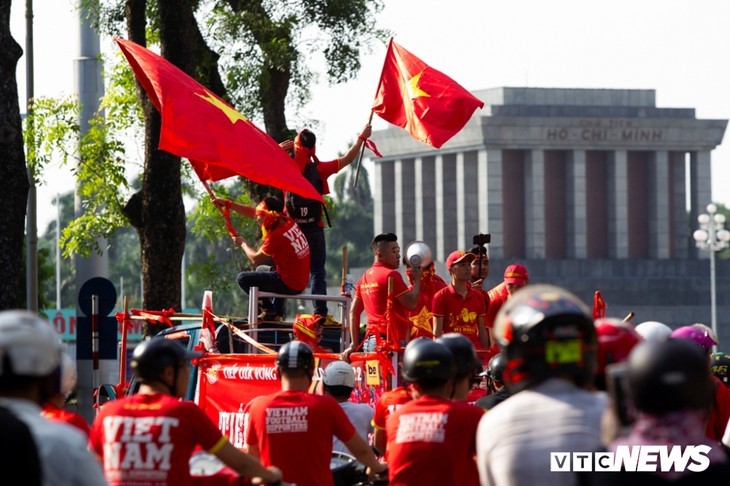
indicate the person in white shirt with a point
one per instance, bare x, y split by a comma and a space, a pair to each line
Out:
549, 341
29, 354
339, 380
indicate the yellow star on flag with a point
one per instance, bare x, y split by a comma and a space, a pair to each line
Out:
414, 91
230, 112
422, 321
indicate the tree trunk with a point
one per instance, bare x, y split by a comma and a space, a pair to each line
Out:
13, 172
157, 211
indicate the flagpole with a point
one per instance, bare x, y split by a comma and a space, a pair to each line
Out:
362, 151
226, 220
370, 120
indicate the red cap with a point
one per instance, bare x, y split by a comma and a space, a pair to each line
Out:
457, 256
515, 274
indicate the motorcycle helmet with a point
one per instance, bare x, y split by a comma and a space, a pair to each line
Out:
295, 355
545, 331
669, 376
719, 366
151, 357
462, 349
653, 331
425, 360
615, 342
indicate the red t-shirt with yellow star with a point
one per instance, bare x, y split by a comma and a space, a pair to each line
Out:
372, 289
460, 313
421, 316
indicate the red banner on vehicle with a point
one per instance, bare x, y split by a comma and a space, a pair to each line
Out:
228, 382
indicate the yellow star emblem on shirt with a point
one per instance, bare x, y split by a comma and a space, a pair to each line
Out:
229, 111
422, 321
414, 91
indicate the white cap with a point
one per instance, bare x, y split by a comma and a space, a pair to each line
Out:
653, 331
30, 344
339, 373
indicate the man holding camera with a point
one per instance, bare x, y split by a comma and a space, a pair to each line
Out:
480, 265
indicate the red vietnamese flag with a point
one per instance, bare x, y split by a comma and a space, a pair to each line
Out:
197, 124
431, 106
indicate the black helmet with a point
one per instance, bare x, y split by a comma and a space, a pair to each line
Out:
720, 366
151, 357
295, 355
427, 360
495, 368
545, 331
465, 356
668, 376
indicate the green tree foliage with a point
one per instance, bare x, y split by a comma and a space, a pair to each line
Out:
352, 223
266, 48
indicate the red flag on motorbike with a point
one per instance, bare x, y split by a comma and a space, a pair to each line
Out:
431, 106
217, 139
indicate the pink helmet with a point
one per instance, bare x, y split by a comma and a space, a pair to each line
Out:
697, 335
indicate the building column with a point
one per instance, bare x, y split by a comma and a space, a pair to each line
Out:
460, 201
377, 191
700, 177
491, 212
398, 199
660, 185
418, 181
619, 205
404, 200
681, 240
535, 204
439, 196
577, 207
700, 182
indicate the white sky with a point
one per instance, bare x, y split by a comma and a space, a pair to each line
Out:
678, 48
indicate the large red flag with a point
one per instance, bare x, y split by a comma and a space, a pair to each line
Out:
218, 140
431, 106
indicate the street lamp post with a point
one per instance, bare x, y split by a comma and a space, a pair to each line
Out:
712, 236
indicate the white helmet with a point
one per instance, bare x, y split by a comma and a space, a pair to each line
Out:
29, 343
654, 331
68, 374
339, 373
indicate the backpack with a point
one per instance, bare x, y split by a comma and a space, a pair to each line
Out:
307, 213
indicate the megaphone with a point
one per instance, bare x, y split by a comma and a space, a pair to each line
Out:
418, 254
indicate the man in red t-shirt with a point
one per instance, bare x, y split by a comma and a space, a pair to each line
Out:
304, 147
388, 403
432, 429
515, 277
65, 382
293, 429
148, 438
371, 296
284, 243
458, 307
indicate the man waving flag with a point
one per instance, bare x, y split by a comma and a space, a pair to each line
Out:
431, 106
217, 139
